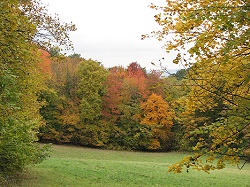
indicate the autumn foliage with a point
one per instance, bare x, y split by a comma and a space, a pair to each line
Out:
50, 97
45, 63
211, 39
157, 114
25, 27
203, 108
89, 105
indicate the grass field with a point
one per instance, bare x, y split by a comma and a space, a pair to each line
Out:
83, 167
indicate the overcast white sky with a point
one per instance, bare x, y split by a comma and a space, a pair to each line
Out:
109, 31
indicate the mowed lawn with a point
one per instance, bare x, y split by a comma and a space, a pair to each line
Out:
82, 167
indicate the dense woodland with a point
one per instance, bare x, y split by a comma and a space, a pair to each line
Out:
203, 108
116, 108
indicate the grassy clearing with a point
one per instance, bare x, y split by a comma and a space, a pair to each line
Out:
76, 166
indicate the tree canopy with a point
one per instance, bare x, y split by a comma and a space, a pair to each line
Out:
212, 39
21, 80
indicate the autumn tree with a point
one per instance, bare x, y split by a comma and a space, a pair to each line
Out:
139, 76
214, 37
134, 90
61, 112
126, 88
157, 114
65, 78
45, 63
51, 111
20, 83
91, 90
112, 98
50, 31
176, 89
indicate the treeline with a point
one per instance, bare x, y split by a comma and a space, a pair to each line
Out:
204, 109
116, 108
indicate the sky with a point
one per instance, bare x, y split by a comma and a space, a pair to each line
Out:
109, 31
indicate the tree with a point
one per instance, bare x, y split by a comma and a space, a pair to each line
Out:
19, 80
176, 89
139, 76
51, 112
64, 78
216, 36
61, 109
156, 114
91, 90
20, 83
126, 88
112, 98
46, 62
49, 30
133, 91
155, 82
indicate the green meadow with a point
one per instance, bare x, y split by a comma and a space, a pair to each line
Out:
76, 167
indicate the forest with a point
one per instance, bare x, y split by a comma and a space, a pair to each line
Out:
49, 97
117, 108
